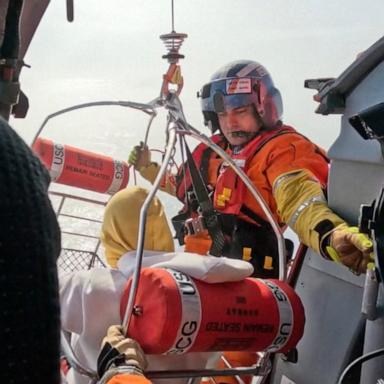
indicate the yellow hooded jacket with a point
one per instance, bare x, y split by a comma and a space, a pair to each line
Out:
120, 227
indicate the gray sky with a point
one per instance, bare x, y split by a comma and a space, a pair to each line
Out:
112, 51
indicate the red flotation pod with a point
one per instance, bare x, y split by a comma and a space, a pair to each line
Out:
83, 169
180, 314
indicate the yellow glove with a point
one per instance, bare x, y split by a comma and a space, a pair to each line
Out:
350, 247
117, 350
140, 156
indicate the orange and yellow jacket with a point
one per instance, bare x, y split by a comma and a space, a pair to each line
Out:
289, 171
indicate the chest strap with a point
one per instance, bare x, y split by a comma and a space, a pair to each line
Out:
208, 212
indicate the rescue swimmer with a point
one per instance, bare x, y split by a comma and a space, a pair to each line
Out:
242, 103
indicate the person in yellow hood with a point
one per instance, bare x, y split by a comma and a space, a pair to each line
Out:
90, 300
120, 226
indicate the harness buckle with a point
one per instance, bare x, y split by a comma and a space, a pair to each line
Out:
195, 226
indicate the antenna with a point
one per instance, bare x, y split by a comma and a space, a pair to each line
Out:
173, 41
70, 11
173, 16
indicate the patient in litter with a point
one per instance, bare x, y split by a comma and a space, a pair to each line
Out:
90, 300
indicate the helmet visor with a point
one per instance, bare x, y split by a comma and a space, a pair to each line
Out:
227, 94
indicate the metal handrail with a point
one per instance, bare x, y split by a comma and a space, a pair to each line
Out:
146, 108
95, 237
73, 197
81, 218
142, 222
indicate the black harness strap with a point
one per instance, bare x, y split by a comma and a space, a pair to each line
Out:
255, 217
209, 214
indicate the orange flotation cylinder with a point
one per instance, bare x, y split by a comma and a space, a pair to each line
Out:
83, 169
180, 314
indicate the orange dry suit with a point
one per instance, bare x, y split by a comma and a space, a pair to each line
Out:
128, 379
289, 171
243, 221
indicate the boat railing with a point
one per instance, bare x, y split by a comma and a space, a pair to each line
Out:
80, 232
